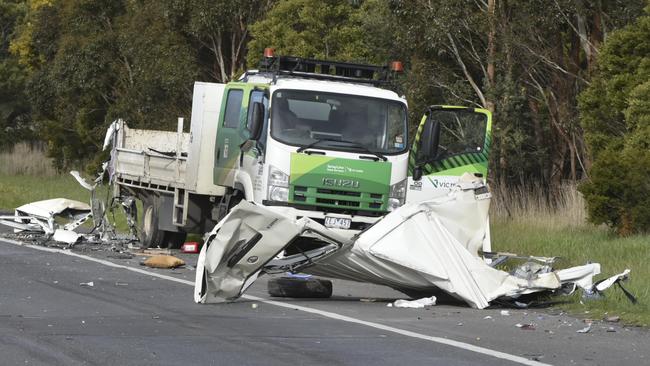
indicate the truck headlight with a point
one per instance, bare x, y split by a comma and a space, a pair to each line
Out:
397, 195
278, 193
278, 185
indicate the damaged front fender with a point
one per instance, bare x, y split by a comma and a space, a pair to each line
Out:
243, 245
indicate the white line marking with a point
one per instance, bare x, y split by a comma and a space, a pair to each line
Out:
327, 314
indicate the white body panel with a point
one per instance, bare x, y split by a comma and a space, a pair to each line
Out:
429, 187
206, 106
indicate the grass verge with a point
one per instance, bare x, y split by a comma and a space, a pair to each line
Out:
581, 244
524, 222
17, 190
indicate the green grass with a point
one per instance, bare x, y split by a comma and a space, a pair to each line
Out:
17, 190
577, 245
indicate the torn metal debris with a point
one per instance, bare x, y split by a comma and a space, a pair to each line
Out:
419, 248
414, 304
60, 219
41, 216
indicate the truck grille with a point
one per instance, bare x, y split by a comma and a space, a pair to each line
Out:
334, 200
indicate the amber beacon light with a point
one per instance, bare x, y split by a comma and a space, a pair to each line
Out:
396, 66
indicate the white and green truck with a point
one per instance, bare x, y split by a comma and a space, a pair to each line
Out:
324, 140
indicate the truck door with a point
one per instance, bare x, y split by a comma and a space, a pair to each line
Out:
228, 138
463, 147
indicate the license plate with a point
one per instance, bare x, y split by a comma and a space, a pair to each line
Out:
337, 222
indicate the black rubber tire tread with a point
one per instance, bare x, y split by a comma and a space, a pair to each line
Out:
299, 287
153, 237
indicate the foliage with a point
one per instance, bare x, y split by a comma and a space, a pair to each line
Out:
616, 118
330, 29
69, 67
93, 61
14, 108
219, 33
484, 54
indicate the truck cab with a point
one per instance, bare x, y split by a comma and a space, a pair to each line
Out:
333, 150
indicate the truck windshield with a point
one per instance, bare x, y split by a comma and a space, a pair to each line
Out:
302, 117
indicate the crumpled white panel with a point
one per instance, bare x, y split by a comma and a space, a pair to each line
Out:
424, 247
51, 207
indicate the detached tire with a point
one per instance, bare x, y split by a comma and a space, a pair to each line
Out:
300, 287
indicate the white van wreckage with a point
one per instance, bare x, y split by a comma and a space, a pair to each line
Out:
419, 248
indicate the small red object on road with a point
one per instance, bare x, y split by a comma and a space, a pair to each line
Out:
190, 247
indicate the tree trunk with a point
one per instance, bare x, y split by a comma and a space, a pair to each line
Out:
489, 105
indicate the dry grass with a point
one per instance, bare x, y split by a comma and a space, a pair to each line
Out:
26, 158
532, 205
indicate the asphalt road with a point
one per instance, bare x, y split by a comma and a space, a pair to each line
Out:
134, 315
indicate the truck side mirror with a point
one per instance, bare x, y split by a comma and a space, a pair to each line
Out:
257, 121
428, 149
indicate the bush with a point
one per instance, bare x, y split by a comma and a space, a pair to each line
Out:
615, 114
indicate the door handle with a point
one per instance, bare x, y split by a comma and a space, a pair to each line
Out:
218, 153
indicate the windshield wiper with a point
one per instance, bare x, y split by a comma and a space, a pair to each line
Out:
352, 143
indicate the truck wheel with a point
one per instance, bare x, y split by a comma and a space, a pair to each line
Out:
299, 287
150, 235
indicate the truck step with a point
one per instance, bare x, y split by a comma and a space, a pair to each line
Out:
179, 214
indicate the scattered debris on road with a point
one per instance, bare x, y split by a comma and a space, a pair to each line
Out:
525, 326
586, 329
66, 236
154, 251
420, 247
613, 319
414, 304
60, 220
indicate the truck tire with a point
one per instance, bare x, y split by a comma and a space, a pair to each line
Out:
150, 235
299, 287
